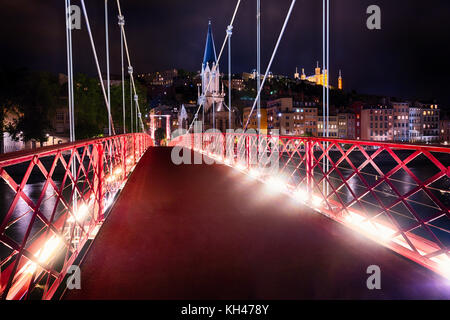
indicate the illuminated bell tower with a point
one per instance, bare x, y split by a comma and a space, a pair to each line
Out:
324, 78
340, 81
303, 76
296, 74
317, 74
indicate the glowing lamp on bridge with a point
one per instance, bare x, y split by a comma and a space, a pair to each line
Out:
49, 249
373, 228
254, 173
80, 214
316, 201
118, 171
443, 262
301, 195
43, 255
276, 184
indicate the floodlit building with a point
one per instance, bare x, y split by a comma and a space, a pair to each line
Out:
377, 123
400, 121
333, 127
347, 125
212, 93
253, 123
280, 116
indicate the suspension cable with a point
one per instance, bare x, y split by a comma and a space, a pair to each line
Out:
227, 36
98, 65
121, 23
130, 66
270, 62
70, 71
108, 76
71, 97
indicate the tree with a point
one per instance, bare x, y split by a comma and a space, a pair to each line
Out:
11, 88
39, 94
91, 115
117, 105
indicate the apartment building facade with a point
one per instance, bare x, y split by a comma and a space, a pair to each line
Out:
377, 123
400, 121
333, 127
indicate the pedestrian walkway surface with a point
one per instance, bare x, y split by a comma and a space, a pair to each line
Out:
210, 232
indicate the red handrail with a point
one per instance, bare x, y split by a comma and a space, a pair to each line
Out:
58, 198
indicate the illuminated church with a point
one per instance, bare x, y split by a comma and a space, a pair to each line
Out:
319, 78
212, 93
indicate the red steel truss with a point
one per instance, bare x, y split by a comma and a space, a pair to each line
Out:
54, 205
395, 194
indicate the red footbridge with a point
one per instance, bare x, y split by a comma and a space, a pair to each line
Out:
225, 216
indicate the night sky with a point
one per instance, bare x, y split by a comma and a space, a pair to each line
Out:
407, 58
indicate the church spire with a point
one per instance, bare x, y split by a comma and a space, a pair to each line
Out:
340, 86
210, 56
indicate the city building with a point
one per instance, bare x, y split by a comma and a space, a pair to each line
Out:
377, 123
61, 122
430, 123
444, 131
356, 108
333, 127
236, 84
305, 118
346, 125
253, 123
415, 124
246, 76
292, 117
400, 121
160, 78
280, 116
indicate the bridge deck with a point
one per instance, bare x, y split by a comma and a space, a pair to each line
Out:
209, 232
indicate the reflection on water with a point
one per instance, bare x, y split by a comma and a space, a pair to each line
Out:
383, 202
20, 218
22, 213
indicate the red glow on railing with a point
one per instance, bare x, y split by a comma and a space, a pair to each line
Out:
55, 204
396, 194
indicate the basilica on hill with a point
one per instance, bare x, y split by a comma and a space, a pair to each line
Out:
319, 77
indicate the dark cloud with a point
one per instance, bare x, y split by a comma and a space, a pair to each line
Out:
406, 58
